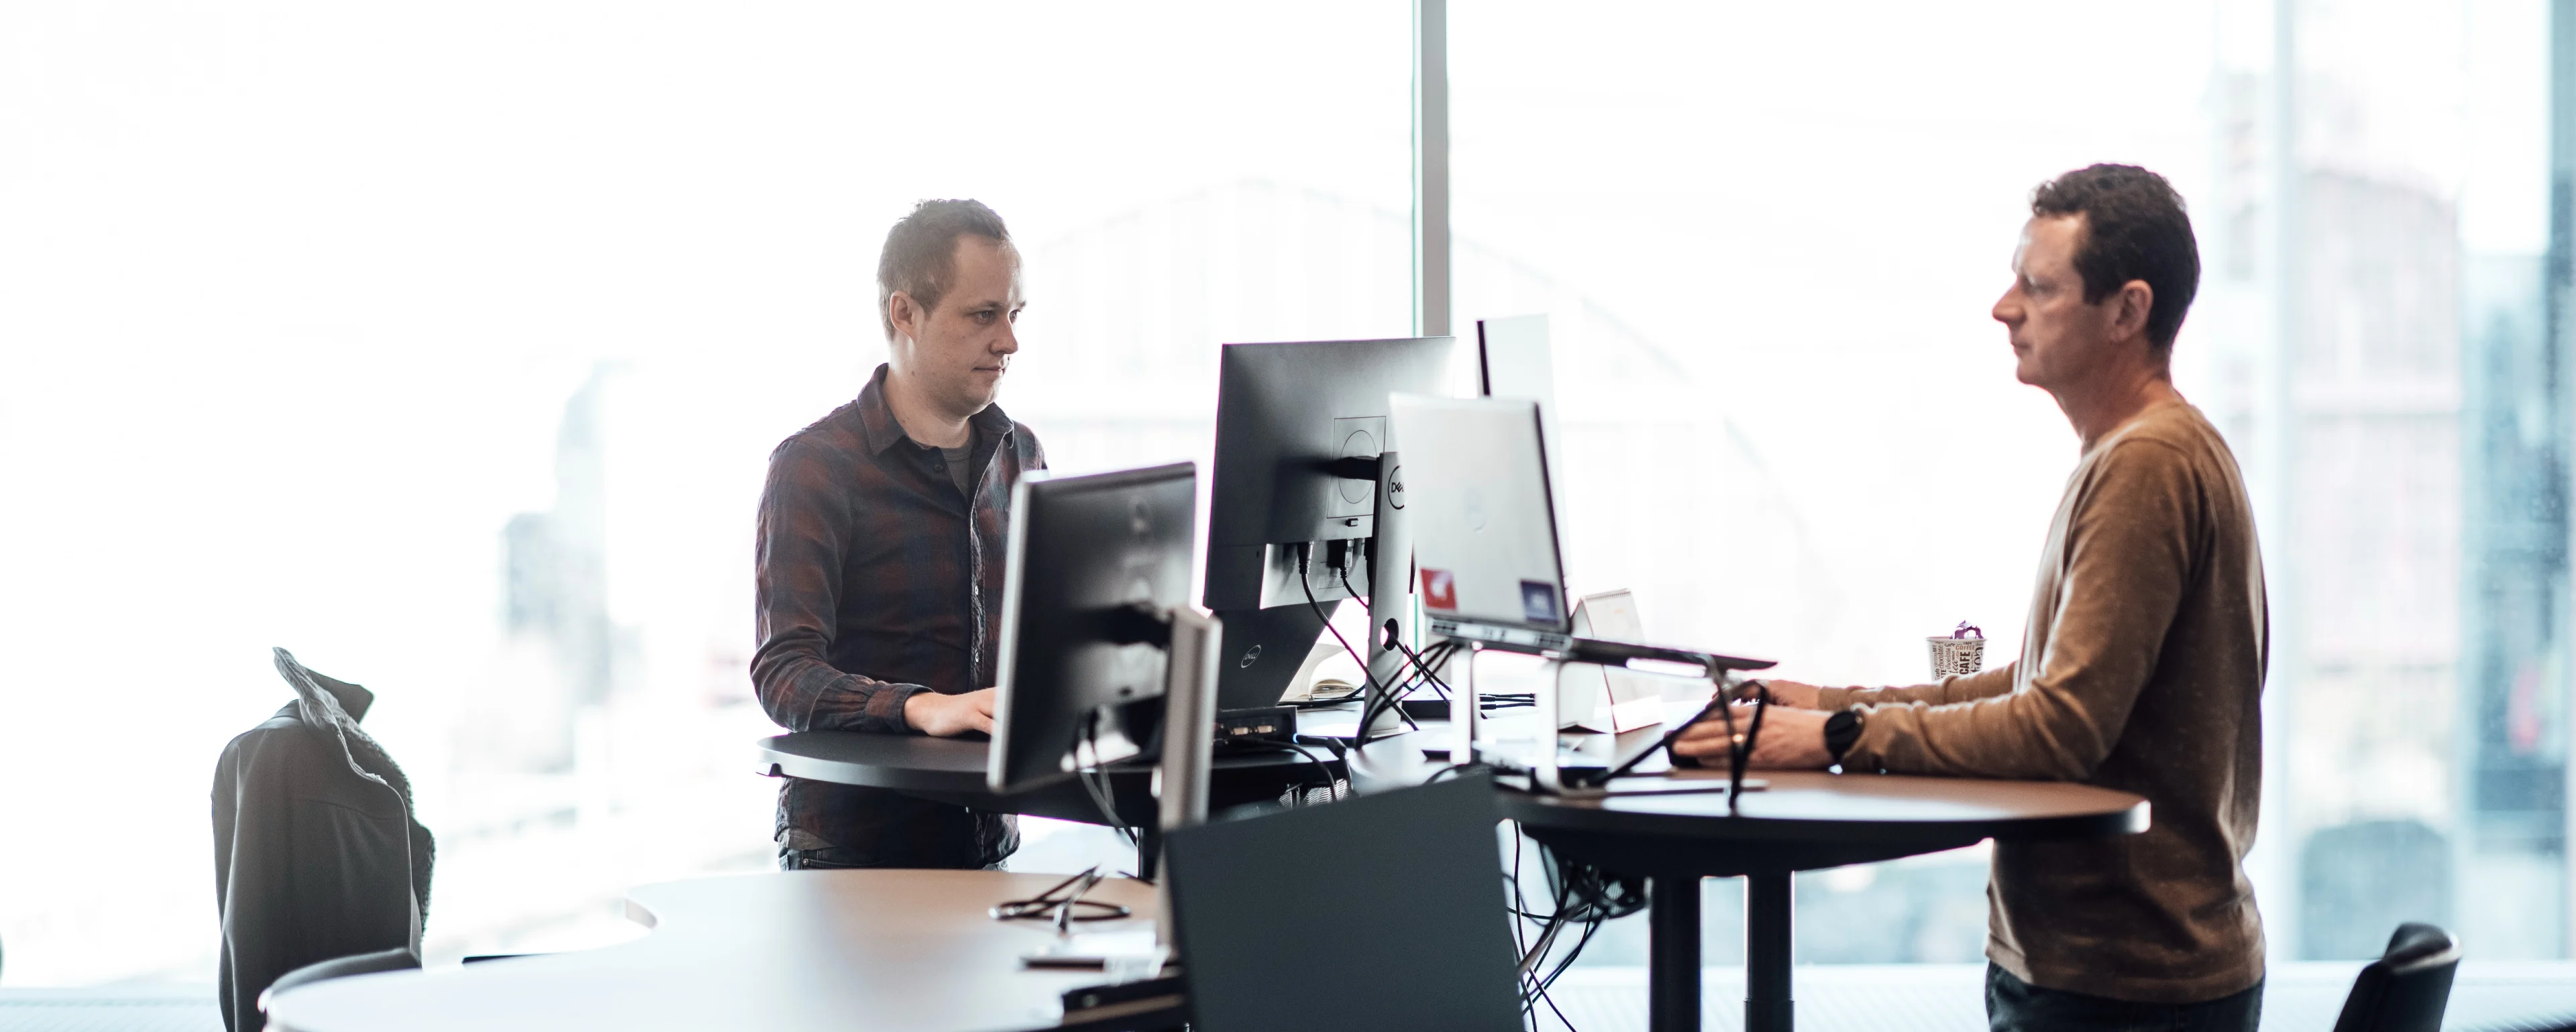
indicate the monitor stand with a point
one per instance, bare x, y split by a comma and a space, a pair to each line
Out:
1391, 616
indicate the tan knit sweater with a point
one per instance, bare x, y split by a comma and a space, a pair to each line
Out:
2141, 670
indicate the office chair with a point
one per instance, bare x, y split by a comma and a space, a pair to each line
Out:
2408, 987
321, 867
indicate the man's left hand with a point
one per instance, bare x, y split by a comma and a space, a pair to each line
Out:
1791, 738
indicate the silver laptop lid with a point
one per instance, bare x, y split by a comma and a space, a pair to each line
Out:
1484, 523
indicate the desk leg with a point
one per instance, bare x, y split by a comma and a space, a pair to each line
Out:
1672, 953
1767, 940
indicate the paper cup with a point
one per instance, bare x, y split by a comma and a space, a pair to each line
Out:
1956, 655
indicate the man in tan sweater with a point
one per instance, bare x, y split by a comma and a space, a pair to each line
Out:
2142, 665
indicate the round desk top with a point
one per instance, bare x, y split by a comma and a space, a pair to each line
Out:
951, 770
903, 951
955, 766
1799, 820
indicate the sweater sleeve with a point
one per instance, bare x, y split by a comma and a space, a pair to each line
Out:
798, 553
2127, 558
1954, 688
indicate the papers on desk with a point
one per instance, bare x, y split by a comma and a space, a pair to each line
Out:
1513, 743
1327, 674
1123, 955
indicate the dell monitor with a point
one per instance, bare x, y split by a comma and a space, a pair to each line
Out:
1096, 566
1299, 431
1513, 361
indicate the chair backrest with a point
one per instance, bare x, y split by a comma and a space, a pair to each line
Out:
1384, 912
2407, 988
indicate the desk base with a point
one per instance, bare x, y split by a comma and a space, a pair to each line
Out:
1768, 904
1672, 953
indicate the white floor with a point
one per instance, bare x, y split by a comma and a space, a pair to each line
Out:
1951, 998
1896, 998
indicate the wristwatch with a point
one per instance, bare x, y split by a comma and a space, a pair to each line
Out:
1841, 731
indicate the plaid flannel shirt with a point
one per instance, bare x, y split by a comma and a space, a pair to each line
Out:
877, 580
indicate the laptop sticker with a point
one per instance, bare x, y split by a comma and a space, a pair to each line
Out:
1538, 602
1439, 591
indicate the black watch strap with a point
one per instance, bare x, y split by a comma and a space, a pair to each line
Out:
1841, 731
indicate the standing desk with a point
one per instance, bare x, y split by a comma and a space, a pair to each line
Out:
827, 951
1804, 820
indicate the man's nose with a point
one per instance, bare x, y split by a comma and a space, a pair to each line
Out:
1008, 343
2007, 311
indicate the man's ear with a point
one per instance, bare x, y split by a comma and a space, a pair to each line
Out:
2136, 300
905, 315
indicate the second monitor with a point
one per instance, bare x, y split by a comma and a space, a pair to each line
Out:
1097, 565
1293, 514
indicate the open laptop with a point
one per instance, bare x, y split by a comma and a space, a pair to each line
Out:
1486, 553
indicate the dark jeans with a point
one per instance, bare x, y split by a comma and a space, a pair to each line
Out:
826, 825
832, 860
2013, 1005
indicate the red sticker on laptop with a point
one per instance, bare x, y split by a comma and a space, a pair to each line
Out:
1439, 590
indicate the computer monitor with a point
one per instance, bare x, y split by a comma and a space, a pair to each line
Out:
1299, 430
1513, 360
1094, 567
1264, 649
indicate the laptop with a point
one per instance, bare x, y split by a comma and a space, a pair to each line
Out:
1486, 551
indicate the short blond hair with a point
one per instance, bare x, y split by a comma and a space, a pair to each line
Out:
920, 256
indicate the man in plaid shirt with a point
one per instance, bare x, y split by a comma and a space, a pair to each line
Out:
880, 544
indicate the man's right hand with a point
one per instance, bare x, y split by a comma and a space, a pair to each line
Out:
947, 715
1793, 694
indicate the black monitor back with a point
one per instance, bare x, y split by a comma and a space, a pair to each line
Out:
1283, 412
1409, 931
1089, 557
1264, 649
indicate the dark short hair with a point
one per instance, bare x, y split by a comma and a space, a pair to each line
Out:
2134, 229
920, 256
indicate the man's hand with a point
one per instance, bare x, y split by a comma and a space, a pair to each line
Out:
948, 715
1791, 738
1793, 694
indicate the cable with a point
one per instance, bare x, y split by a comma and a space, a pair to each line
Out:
1379, 699
1332, 785
1370, 679
1741, 753
1583, 899
1424, 667
1366, 602
1100, 795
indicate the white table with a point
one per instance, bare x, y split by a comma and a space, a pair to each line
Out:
841, 950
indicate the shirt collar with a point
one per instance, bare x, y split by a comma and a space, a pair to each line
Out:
878, 425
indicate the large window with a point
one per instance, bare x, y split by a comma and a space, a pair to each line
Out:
446, 347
